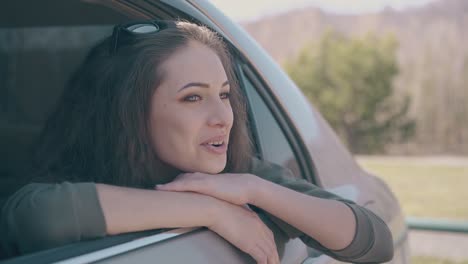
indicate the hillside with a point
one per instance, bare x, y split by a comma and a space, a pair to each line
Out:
432, 55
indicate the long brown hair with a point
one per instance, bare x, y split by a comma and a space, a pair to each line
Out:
99, 131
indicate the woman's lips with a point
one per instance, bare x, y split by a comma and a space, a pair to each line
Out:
215, 139
215, 150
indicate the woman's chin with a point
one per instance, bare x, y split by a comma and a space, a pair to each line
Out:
211, 167
208, 166
211, 170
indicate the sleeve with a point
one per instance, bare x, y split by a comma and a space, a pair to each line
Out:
41, 216
372, 241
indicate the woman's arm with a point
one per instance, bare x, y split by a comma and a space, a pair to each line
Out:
369, 240
327, 222
127, 210
130, 210
42, 216
330, 222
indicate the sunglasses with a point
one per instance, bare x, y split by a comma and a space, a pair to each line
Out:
125, 34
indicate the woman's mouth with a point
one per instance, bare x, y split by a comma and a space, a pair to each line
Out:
216, 147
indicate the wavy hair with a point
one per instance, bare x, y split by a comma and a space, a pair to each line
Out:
99, 131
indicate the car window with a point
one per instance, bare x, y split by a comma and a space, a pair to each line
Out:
36, 62
272, 144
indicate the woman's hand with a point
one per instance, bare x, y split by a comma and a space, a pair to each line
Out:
233, 188
244, 229
233, 221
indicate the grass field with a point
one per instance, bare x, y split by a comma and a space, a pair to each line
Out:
431, 260
426, 187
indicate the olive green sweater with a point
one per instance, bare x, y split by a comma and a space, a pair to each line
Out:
41, 216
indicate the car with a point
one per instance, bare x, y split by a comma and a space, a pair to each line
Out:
42, 42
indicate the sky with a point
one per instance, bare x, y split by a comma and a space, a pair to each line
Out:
245, 10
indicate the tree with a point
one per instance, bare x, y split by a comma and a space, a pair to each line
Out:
350, 81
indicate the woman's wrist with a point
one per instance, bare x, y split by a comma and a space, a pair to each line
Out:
257, 189
216, 210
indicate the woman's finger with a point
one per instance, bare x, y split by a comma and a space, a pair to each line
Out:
269, 248
271, 245
258, 254
268, 243
172, 186
194, 185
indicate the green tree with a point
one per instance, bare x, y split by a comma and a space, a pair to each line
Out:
350, 81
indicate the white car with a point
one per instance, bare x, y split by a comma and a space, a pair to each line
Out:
42, 42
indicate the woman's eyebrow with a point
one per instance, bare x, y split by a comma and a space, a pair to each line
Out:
200, 84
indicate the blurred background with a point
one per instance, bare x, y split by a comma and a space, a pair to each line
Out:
391, 77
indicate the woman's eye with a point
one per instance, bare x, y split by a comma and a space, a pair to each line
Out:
225, 95
192, 98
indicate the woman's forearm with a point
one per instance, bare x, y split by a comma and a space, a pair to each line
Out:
41, 216
318, 218
130, 210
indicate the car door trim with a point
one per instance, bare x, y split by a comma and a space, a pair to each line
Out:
128, 246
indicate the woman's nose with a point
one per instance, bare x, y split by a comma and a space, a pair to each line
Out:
220, 114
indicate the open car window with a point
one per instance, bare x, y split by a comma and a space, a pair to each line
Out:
35, 63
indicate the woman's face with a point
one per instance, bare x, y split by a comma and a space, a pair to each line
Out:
191, 116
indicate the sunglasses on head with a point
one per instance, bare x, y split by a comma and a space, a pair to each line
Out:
125, 34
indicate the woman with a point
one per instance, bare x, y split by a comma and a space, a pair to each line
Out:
154, 117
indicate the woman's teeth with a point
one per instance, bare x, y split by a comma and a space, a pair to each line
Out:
216, 143
216, 147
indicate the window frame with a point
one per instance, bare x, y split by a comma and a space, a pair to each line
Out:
244, 71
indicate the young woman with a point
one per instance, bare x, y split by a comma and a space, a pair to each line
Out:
154, 117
